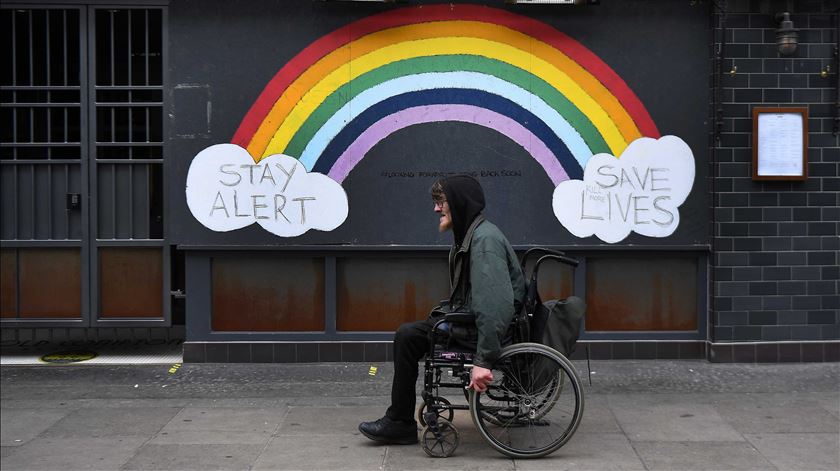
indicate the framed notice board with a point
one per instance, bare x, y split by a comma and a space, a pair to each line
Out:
780, 144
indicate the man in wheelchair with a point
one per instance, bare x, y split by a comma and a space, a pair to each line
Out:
485, 279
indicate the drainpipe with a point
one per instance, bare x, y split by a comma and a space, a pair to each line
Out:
836, 129
718, 14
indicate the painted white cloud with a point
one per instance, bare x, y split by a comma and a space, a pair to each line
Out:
226, 191
641, 191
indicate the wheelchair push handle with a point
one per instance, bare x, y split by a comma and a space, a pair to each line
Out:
547, 254
560, 258
544, 250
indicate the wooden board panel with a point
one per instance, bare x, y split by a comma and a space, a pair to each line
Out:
268, 293
50, 283
379, 294
130, 282
641, 294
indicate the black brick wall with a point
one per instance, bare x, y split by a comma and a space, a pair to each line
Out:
776, 244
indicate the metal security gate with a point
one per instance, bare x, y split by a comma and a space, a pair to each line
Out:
82, 226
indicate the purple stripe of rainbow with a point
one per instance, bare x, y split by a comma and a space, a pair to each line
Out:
432, 113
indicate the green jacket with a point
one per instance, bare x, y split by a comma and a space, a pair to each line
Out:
486, 279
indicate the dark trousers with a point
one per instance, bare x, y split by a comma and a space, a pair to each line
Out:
411, 342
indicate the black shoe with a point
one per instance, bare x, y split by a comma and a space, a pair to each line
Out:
389, 431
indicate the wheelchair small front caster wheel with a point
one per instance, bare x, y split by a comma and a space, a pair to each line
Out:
446, 414
441, 443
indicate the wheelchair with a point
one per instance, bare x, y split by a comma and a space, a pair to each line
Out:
535, 402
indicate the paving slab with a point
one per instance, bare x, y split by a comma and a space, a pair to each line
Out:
210, 437
53, 403
208, 416
6, 451
799, 451
673, 422
470, 455
235, 402
380, 402
194, 457
653, 398
203, 426
243, 419
110, 422
473, 453
40, 392
831, 403
320, 452
588, 451
73, 453
734, 456
19, 426
132, 403
758, 413
598, 416
327, 420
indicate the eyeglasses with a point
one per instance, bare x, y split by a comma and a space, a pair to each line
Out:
439, 202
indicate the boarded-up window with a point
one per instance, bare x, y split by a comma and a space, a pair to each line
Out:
130, 282
379, 294
271, 292
644, 293
49, 283
8, 283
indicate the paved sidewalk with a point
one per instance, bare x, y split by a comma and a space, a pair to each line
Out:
656, 415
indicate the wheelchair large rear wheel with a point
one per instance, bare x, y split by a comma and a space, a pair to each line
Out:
533, 405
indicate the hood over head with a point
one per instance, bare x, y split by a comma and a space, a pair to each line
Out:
466, 201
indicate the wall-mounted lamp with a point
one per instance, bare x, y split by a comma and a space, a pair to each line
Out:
825, 71
733, 71
786, 36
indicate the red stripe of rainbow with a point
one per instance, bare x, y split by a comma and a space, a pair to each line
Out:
443, 12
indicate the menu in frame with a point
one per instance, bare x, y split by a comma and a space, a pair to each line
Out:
780, 143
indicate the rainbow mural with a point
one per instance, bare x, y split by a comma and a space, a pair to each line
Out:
350, 89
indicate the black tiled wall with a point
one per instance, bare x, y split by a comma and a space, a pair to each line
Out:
286, 352
315, 352
775, 272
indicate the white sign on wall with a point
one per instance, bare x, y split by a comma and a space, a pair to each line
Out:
640, 192
227, 190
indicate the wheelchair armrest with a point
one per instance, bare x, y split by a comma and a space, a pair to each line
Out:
456, 327
444, 322
460, 317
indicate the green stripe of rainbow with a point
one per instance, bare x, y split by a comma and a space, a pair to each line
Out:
446, 63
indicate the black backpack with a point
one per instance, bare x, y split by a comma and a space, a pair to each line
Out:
556, 323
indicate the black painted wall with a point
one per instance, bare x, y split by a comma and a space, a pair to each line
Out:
776, 243
774, 265
224, 53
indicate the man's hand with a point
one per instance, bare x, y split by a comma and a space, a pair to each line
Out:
480, 378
